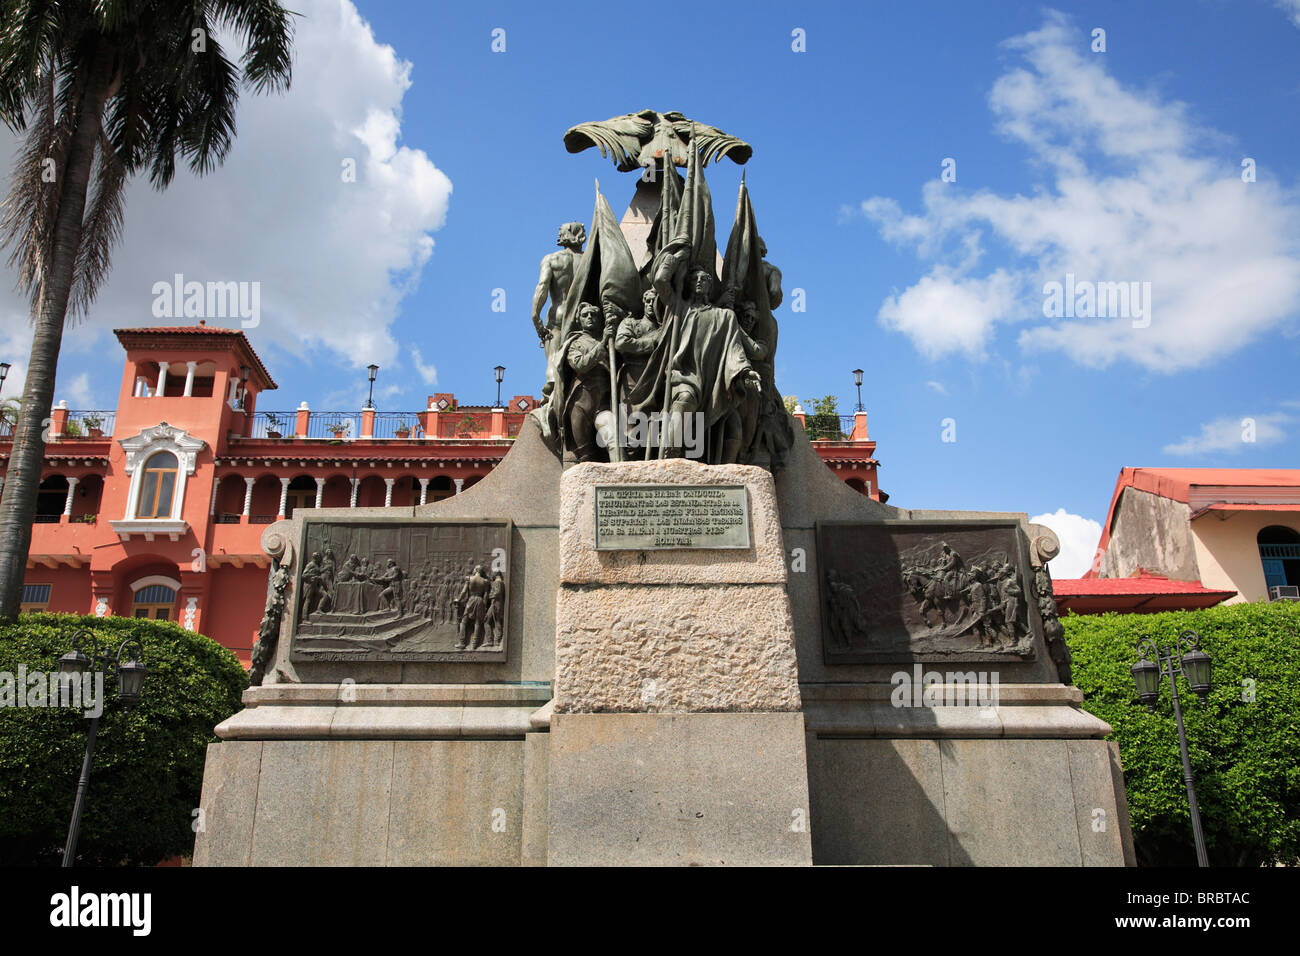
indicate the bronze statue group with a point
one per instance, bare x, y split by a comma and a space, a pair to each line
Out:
662, 358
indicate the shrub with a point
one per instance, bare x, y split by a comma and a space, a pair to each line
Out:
148, 764
1243, 752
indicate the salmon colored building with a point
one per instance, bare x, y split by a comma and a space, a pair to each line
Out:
157, 508
1183, 538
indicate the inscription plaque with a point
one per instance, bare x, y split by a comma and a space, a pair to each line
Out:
656, 517
896, 591
401, 589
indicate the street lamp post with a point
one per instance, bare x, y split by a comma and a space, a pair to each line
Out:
1185, 657
130, 675
500, 371
857, 380
4, 374
370, 400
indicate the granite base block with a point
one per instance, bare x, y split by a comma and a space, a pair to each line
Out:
678, 790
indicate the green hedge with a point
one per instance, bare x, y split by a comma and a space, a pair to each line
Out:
1245, 754
148, 766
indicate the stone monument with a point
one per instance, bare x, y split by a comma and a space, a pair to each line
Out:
661, 631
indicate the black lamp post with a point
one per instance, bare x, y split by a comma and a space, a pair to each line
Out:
857, 380
130, 673
4, 374
500, 371
1185, 657
370, 400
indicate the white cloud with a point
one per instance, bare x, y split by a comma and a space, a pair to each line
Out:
428, 373
1079, 537
1292, 8
937, 386
1233, 434
1132, 197
333, 258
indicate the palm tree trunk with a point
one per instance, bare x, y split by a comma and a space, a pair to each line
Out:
18, 503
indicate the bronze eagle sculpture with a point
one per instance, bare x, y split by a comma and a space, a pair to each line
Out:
647, 138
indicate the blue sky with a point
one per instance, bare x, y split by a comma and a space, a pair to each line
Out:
1123, 165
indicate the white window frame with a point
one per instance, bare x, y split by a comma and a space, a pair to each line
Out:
139, 449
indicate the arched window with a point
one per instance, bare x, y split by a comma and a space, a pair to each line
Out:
157, 485
1279, 553
154, 601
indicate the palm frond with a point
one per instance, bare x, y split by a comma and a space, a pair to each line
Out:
267, 30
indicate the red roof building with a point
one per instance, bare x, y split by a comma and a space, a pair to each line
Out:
1192, 537
1143, 593
156, 509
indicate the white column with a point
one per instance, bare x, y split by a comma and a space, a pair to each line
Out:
460, 483
320, 491
162, 379
388, 492
248, 494
67, 504
424, 489
355, 485
140, 387
189, 378
216, 483
284, 496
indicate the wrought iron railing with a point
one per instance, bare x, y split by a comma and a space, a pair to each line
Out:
89, 424
274, 424
324, 425
392, 424
828, 427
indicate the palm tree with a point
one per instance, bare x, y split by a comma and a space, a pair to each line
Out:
104, 89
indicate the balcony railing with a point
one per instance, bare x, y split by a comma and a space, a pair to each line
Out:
828, 427
388, 424
274, 424
323, 425
84, 424
81, 424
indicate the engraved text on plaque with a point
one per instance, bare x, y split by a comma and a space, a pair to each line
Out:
647, 517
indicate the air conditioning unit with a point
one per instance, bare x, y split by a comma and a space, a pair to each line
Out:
1284, 592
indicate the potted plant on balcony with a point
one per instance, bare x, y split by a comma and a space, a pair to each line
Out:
94, 426
273, 426
403, 431
340, 430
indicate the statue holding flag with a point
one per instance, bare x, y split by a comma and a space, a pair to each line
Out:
670, 342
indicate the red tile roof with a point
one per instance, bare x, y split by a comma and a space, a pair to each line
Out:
204, 331
1144, 592
1144, 582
